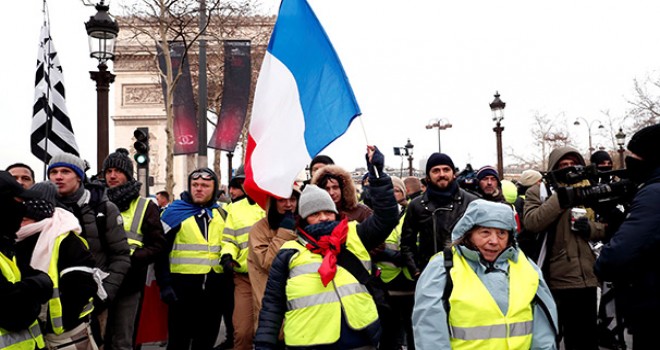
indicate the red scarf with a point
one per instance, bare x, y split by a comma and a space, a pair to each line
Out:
328, 246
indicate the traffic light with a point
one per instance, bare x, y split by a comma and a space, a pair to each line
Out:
141, 146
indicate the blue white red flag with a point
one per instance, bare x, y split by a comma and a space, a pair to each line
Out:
303, 102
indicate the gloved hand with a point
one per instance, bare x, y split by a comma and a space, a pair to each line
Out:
375, 161
168, 295
289, 221
41, 285
582, 228
228, 263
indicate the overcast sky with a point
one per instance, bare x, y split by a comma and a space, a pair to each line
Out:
409, 62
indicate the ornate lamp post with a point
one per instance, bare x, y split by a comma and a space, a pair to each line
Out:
409, 150
102, 31
621, 141
497, 107
589, 125
441, 124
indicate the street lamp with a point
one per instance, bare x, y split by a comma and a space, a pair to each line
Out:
102, 31
589, 125
409, 150
441, 124
621, 141
497, 107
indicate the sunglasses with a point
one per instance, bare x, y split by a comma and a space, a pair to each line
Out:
201, 174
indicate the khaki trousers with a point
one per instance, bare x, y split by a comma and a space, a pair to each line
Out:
243, 318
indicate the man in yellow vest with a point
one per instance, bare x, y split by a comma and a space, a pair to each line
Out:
21, 292
316, 285
146, 241
242, 213
483, 292
190, 275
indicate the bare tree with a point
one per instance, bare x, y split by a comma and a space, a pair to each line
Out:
548, 133
645, 104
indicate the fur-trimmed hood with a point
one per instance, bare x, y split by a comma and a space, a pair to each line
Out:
349, 200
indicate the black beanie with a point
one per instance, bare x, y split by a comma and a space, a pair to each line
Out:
321, 159
44, 206
119, 160
646, 144
438, 159
599, 157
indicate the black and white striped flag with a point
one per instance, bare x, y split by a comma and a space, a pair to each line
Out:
51, 128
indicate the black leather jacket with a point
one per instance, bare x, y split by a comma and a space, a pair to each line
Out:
431, 225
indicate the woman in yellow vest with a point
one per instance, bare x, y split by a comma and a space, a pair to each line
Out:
49, 241
313, 288
497, 300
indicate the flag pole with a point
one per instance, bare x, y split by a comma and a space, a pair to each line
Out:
364, 131
47, 106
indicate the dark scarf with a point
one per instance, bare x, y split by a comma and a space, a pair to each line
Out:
326, 238
442, 197
11, 217
123, 195
71, 201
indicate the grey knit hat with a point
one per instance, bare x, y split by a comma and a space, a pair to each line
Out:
70, 161
44, 206
313, 200
119, 160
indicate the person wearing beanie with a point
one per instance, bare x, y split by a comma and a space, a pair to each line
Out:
189, 274
329, 262
602, 160
568, 259
431, 216
317, 163
102, 228
490, 187
141, 221
49, 241
629, 258
24, 289
242, 214
264, 241
464, 291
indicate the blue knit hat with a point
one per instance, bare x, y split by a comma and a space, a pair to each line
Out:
70, 161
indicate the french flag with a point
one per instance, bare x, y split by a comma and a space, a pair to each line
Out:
303, 101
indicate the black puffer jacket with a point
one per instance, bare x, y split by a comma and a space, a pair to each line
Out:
432, 224
372, 232
109, 248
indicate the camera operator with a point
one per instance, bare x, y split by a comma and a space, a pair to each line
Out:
630, 257
569, 260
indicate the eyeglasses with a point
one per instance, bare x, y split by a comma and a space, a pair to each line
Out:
203, 174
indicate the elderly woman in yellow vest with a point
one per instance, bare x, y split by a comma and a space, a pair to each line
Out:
49, 240
495, 297
315, 285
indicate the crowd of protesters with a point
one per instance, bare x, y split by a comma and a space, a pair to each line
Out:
452, 261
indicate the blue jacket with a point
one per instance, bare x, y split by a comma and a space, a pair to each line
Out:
430, 319
631, 256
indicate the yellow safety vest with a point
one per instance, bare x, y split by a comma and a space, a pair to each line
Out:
26, 339
241, 216
192, 254
55, 304
388, 270
475, 319
314, 312
133, 217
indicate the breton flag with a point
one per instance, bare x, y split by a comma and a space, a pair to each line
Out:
303, 101
51, 128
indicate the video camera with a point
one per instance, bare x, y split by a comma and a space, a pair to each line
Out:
606, 187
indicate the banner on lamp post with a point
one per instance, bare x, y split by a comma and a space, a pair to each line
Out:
185, 117
235, 95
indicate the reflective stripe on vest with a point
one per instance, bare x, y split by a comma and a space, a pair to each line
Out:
55, 304
26, 339
241, 216
132, 226
192, 253
475, 319
314, 312
389, 270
